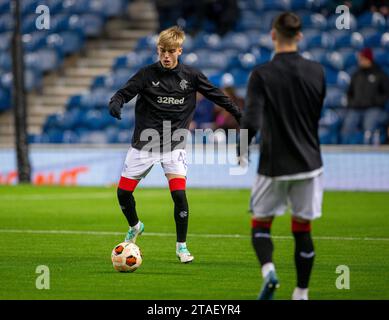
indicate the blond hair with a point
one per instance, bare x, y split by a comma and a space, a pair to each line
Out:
172, 37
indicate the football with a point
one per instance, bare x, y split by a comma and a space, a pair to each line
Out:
126, 257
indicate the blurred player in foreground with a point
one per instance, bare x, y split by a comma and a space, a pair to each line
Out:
164, 109
284, 101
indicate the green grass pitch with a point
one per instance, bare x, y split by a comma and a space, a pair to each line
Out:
72, 230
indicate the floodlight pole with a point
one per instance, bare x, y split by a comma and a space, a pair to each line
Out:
19, 99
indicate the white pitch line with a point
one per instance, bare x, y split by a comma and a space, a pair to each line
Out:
85, 196
199, 235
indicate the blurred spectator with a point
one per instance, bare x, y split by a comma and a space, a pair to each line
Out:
222, 14
225, 14
381, 6
169, 11
194, 15
204, 116
367, 95
223, 119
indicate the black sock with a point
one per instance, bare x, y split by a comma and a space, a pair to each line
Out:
262, 244
127, 204
181, 213
303, 256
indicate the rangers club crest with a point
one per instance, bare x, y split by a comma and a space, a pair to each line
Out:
184, 85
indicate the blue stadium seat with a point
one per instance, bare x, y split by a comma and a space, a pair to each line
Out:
124, 136
248, 21
65, 42
148, 42
32, 79
76, 6
315, 21
342, 59
204, 59
95, 119
29, 23
55, 135
372, 19
59, 22
34, 41
42, 60
337, 78
69, 136
346, 39
349, 58
240, 76
316, 39
262, 55
245, 61
5, 61
6, 22
38, 138
5, 40
319, 55
89, 24
28, 6
266, 5
299, 4
5, 7
329, 126
188, 44
117, 79
267, 18
335, 98
207, 41
112, 8
235, 40
74, 102
266, 41
381, 56
98, 98
132, 59
55, 6
5, 99
51, 122
112, 133
373, 39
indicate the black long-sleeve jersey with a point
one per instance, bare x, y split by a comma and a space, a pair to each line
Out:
284, 100
167, 97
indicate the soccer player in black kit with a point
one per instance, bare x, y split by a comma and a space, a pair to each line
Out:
165, 106
284, 101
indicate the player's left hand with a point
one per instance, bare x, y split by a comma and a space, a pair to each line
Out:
115, 110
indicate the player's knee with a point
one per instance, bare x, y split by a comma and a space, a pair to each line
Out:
300, 225
262, 223
127, 184
177, 184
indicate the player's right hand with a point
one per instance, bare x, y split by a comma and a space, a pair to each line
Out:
115, 110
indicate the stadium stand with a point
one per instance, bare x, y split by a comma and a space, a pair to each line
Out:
83, 39
86, 119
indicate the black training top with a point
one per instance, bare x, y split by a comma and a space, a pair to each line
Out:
167, 95
284, 100
369, 88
